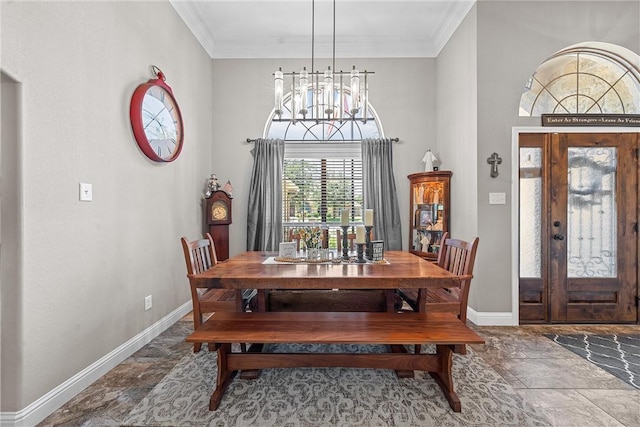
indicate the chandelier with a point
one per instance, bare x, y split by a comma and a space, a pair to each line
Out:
328, 95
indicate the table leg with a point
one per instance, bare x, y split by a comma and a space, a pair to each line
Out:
262, 300
399, 373
252, 374
390, 299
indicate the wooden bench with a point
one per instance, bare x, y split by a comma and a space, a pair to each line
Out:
395, 329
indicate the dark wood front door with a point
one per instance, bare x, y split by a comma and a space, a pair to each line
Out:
587, 228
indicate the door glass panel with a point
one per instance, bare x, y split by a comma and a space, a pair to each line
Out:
591, 214
530, 212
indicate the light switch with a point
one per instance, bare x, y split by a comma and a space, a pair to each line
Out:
86, 192
497, 198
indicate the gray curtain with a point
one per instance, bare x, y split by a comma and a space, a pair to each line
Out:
264, 217
380, 191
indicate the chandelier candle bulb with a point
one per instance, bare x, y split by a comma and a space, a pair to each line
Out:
295, 98
345, 217
304, 88
360, 232
340, 98
328, 91
355, 90
278, 91
317, 96
368, 217
363, 98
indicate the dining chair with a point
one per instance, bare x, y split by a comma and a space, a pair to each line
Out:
351, 239
295, 237
200, 256
458, 257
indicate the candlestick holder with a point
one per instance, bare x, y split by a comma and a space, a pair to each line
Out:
367, 237
345, 242
360, 259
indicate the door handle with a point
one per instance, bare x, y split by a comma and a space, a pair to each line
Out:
558, 237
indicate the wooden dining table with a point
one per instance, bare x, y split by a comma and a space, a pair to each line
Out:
400, 269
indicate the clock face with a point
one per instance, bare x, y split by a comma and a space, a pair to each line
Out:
156, 121
160, 122
219, 211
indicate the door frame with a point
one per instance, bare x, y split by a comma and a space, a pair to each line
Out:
515, 196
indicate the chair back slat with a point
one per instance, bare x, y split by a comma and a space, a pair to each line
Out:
351, 240
295, 237
458, 256
200, 255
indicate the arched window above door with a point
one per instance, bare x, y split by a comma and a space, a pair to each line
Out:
586, 78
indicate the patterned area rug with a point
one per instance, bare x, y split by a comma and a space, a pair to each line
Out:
333, 396
617, 354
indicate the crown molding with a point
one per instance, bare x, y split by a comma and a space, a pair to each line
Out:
427, 45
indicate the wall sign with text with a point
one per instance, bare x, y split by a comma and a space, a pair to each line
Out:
604, 120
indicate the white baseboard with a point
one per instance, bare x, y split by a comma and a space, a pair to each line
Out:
47, 404
491, 318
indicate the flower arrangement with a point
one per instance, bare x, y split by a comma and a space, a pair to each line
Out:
311, 236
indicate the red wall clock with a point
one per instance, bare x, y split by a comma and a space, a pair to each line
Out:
156, 120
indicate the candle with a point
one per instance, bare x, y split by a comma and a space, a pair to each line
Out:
345, 217
360, 234
368, 217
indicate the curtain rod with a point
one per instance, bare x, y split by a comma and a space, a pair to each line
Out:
251, 141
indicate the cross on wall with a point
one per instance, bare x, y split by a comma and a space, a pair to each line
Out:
494, 160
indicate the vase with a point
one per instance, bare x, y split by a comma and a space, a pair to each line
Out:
313, 254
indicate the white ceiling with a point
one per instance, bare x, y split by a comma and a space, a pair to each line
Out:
282, 28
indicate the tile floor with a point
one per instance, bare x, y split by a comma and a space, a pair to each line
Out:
567, 389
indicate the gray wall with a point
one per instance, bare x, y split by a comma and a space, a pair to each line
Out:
401, 90
456, 124
513, 39
88, 266
10, 234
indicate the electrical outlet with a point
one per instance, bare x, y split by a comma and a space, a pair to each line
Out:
147, 303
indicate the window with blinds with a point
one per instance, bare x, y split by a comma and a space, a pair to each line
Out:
319, 181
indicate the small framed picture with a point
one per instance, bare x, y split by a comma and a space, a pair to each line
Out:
377, 250
287, 250
424, 218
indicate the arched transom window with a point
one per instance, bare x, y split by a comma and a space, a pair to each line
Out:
587, 78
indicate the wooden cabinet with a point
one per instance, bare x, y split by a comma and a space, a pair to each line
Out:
429, 211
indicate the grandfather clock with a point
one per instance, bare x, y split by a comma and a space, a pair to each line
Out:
218, 218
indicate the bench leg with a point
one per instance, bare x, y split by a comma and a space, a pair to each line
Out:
224, 377
444, 378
